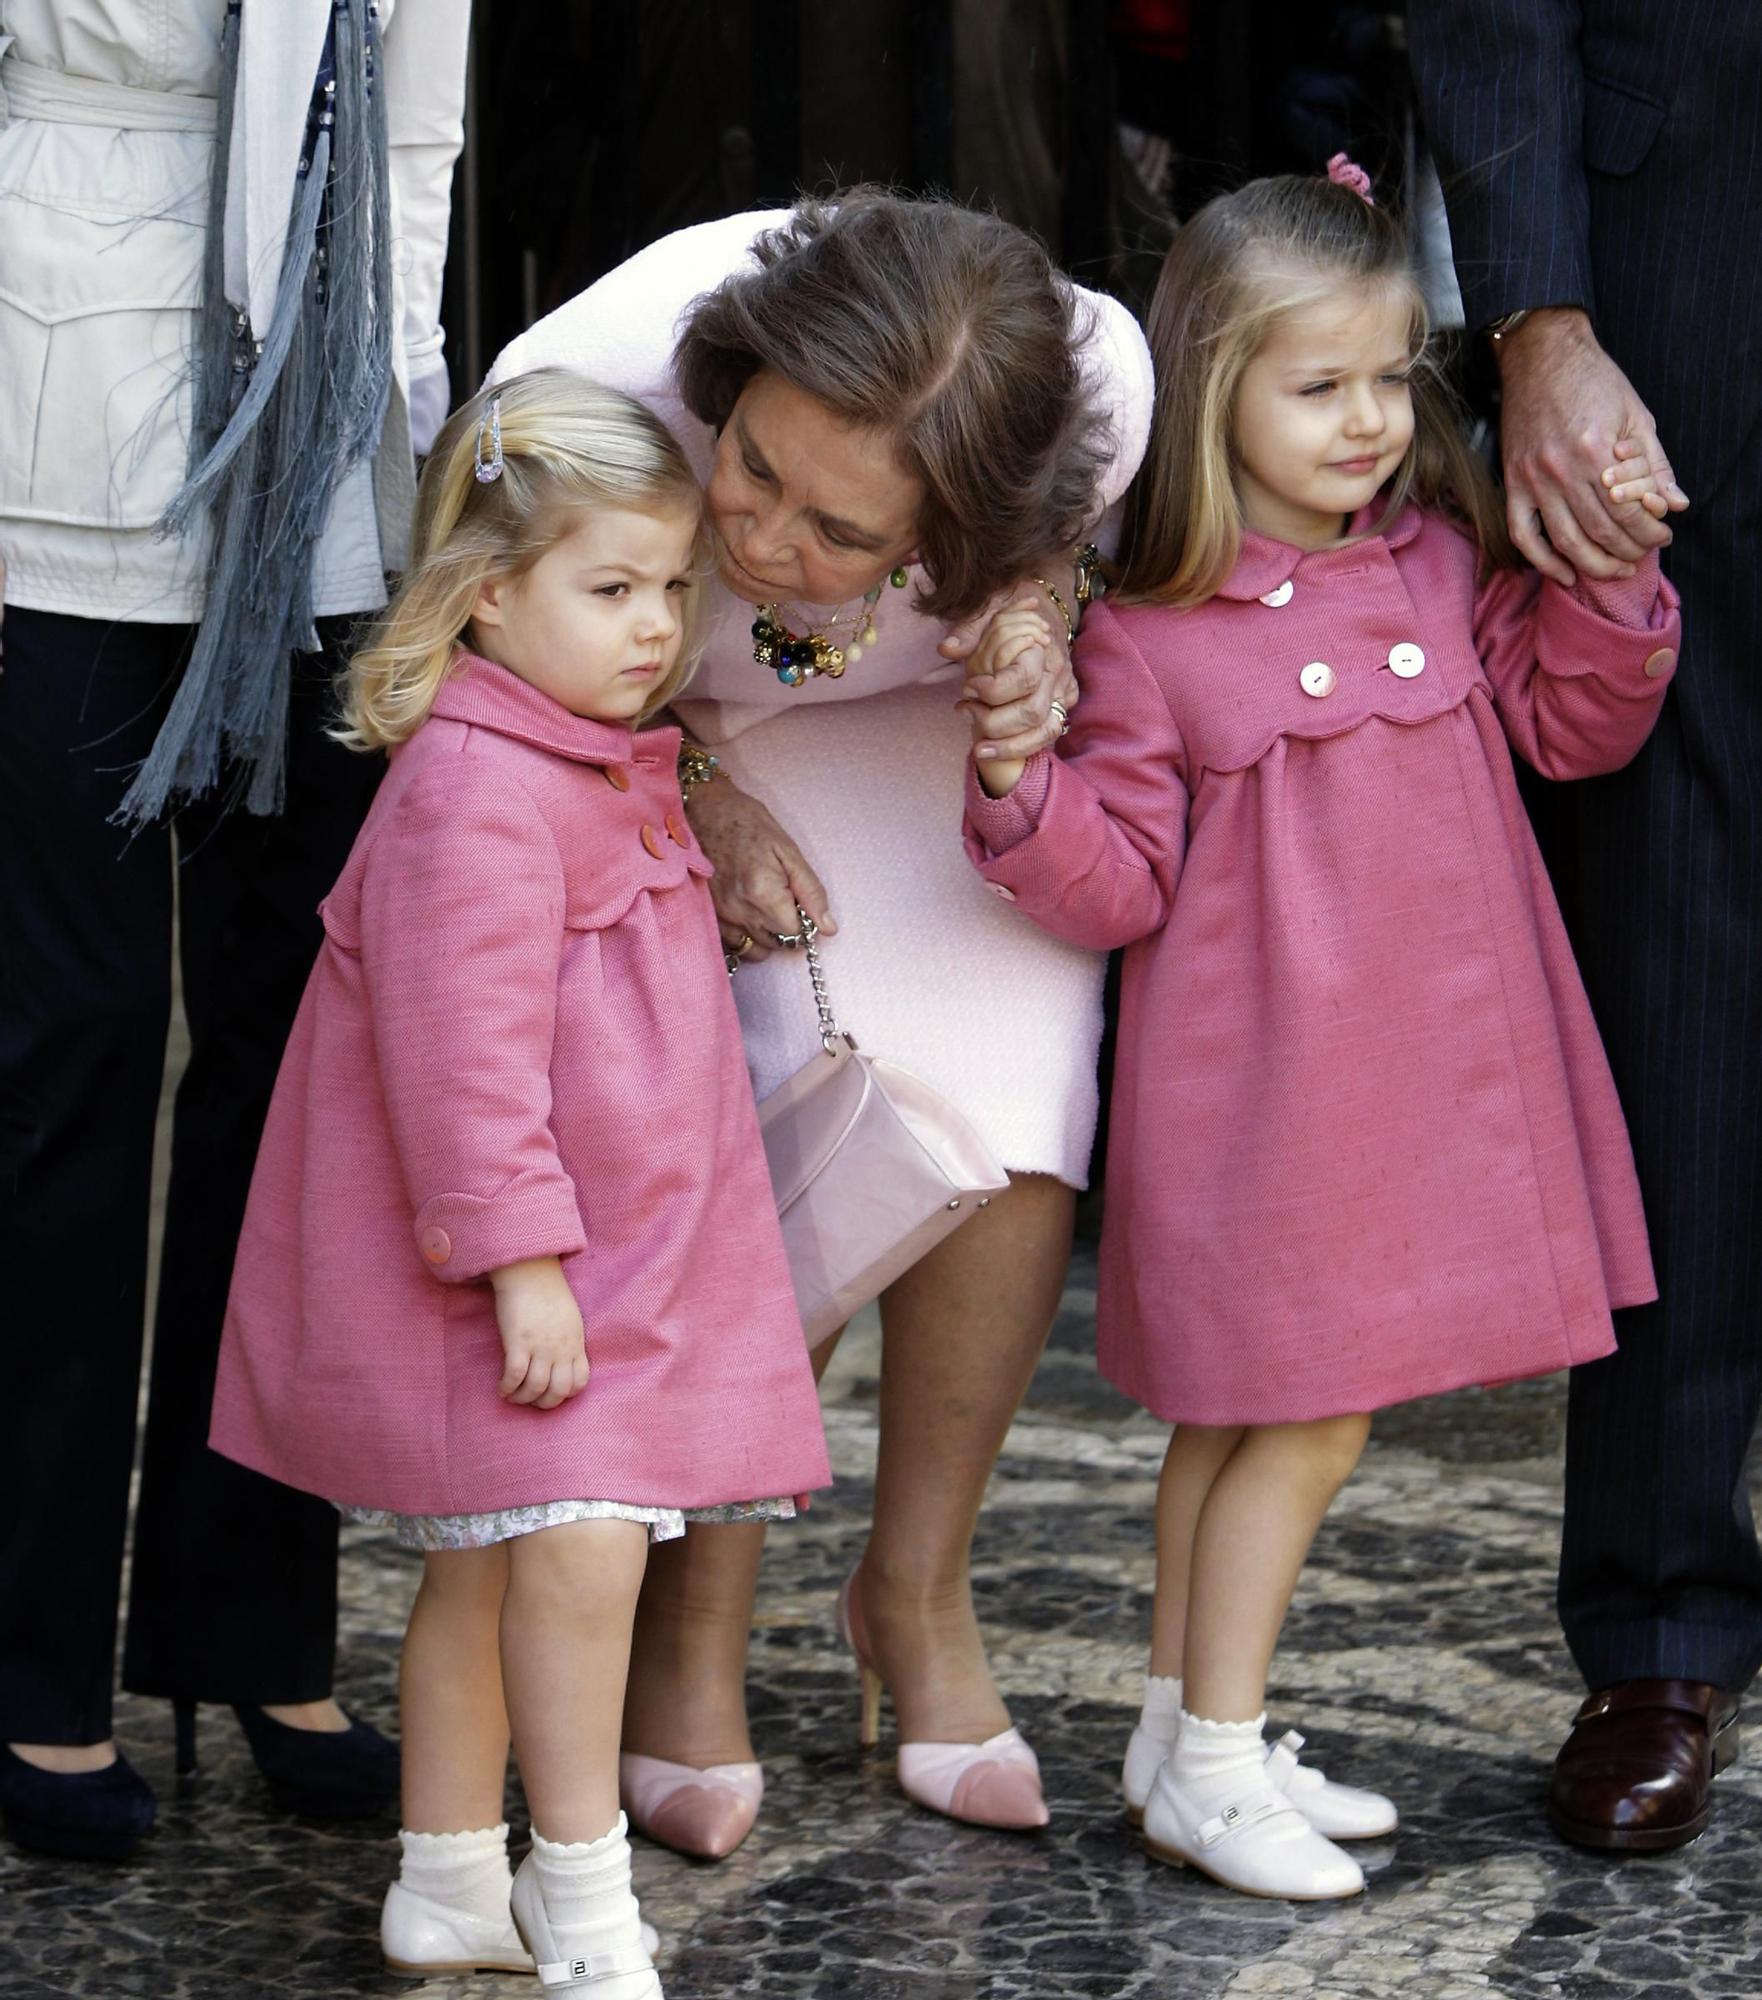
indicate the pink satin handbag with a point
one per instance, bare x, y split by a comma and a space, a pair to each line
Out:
870, 1167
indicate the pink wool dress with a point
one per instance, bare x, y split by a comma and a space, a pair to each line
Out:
865, 773
517, 1042
1365, 1145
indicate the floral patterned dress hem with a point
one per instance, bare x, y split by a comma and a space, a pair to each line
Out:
427, 1533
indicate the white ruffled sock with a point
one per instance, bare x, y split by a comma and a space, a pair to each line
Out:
463, 1871
587, 1894
1212, 1761
1161, 1714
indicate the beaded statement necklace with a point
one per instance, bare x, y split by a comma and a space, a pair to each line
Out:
799, 657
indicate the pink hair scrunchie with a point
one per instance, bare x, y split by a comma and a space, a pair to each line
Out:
1348, 174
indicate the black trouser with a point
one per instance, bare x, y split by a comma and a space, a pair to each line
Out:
1661, 879
234, 1583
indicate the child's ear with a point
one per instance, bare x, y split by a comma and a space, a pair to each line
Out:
490, 608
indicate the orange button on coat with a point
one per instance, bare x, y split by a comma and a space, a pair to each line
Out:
676, 832
652, 841
1660, 663
437, 1245
616, 776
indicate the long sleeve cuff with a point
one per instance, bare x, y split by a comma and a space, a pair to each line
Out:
466, 1236
1001, 824
1626, 630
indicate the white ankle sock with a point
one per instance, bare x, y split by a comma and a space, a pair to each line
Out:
586, 1890
1211, 1760
1161, 1714
465, 1871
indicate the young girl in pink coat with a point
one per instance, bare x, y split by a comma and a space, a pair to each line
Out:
1365, 1145
510, 1280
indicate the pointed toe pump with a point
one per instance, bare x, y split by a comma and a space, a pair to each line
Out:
995, 1783
705, 1814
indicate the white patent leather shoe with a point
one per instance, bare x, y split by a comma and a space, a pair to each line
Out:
620, 1970
1342, 1812
1144, 1758
1257, 1842
427, 1938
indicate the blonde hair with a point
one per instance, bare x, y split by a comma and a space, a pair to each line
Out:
1244, 263
567, 444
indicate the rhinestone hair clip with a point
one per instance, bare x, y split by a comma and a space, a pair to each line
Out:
489, 428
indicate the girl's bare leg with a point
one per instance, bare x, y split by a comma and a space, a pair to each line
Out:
1195, 1457
565, 1649
1255, 1527
453, 1720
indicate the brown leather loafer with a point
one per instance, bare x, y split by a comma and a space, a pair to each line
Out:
1636, 1771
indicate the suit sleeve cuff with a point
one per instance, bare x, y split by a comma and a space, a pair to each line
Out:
461, 1237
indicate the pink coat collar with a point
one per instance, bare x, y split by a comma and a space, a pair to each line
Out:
489, 697
1264, 564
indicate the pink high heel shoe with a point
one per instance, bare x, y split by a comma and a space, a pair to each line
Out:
994, 1783
702, 1813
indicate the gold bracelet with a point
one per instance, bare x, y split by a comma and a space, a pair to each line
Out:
1063, 612
696, 767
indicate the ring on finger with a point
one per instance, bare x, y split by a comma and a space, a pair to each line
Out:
745, 945
1061, 715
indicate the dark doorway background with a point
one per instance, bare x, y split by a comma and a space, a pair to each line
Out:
596, 126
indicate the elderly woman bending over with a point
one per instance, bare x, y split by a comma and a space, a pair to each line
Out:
905, 417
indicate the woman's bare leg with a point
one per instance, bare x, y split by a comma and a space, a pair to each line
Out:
687, 1697
961, 1333
451, 1714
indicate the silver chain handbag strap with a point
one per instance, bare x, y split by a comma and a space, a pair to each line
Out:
808, 939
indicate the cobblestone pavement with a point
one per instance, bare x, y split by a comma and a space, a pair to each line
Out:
1421, 1659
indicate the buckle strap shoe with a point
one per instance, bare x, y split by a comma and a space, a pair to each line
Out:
421, 1936
1636, 1772
76, 1815
1144, 1758
620, 1969
1341, 1812
705, 1813
995, 1783
1258, 1842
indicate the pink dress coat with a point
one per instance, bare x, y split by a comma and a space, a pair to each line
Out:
1365, 1144
517, 1042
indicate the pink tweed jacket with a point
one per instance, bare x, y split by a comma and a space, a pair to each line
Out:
1365, 1144
517, 1042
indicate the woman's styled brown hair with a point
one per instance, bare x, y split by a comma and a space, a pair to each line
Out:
1243, 263
949, 331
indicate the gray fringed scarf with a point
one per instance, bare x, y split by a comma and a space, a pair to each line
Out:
277, 422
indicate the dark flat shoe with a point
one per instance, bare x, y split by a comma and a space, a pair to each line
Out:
79, 1815
1636, 1772
321, 1774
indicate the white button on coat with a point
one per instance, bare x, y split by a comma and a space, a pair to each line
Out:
1318, 679
1278, 596
1406, 660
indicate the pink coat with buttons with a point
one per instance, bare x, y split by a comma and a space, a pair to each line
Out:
517, 1041
1365, 1144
